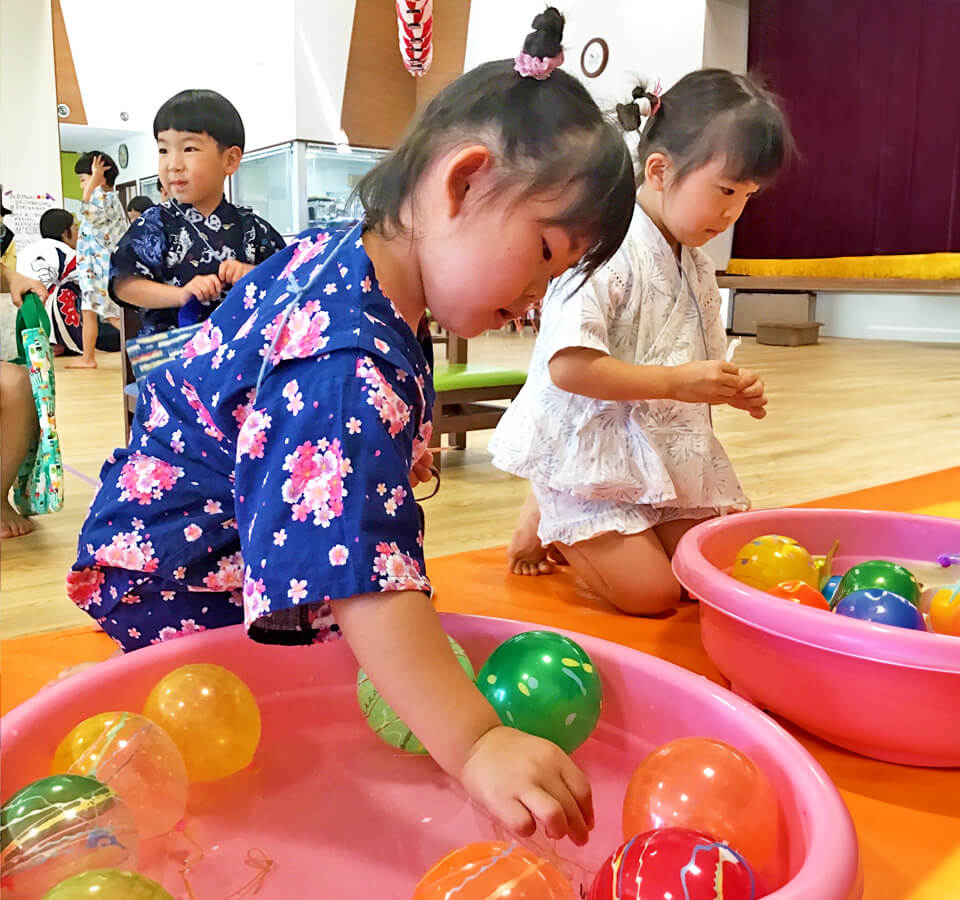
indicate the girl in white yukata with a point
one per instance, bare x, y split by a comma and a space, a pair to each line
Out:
613, 427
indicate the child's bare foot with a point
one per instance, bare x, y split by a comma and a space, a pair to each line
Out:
81, 362
525, 554
13, 524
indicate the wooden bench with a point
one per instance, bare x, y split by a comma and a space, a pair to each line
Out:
464, 392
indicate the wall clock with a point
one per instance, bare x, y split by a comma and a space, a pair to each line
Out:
594, 58
123, 156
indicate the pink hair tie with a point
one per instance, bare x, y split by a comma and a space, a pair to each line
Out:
538, 67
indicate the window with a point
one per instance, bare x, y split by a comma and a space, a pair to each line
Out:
332, 174
265, 183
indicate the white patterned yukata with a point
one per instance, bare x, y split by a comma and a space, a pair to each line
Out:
623, 466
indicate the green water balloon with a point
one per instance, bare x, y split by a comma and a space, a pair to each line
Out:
545, 684
108, 884
878, 574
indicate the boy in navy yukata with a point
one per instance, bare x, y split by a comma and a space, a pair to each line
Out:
194, 246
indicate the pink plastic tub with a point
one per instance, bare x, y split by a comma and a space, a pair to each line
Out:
890, 693
343, 815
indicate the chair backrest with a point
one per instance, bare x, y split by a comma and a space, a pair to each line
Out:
129, 328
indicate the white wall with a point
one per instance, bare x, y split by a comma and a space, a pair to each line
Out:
235, 48
29, 143
726, 27
321, 50
647, 39
891, 317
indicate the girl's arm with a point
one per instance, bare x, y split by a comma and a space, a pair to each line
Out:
592, 373
519, 778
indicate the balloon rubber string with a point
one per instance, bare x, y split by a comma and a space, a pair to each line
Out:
256, 859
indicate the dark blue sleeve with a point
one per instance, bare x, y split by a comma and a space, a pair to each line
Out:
141, 250
269, 240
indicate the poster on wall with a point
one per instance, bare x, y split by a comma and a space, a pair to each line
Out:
24, 219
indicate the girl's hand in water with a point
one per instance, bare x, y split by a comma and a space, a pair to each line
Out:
522, 780
712, 381
750, 394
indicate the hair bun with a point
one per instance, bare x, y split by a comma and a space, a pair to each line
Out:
628, 115
546, 39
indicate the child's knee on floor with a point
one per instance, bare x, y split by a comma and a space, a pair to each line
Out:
646, 596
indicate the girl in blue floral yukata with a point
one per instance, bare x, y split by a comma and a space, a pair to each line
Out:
269, 474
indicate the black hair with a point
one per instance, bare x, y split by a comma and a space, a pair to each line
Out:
84, 166
202, 112
712, 114
140, 203
544, 136
54, 222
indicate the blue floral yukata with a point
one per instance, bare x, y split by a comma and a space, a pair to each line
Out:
268, 468
172, 242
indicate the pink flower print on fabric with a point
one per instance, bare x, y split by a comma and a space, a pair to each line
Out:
169, 633
395, 500
229, 574
323, 623
316, 481
159, 417
246, 327
297, 590
244, 409
128, 550
256, 603
394, 413
206, 340
203, 414
249, 296
83, 587
192, 532
338, 555
291, 390
146, 478
253, 435
301, 336
176, 441
306, 249
396, 570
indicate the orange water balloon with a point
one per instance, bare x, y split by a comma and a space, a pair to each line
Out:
800, 592
488, 870
707, 785
212, 717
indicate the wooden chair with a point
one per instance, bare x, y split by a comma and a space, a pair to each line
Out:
129, 328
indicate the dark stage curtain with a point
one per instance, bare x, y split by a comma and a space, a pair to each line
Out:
872, 90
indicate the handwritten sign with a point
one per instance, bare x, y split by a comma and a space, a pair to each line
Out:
24, 220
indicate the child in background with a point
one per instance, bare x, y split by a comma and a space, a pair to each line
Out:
137, 207
270, 470
53, 261
103, 222
613, 427
196, 244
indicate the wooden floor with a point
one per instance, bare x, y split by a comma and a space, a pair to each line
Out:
843, 415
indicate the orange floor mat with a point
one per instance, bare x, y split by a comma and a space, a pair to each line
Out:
906, 818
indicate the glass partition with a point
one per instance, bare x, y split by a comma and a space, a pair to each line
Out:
265, 183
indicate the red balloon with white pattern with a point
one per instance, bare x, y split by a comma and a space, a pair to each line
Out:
674, 863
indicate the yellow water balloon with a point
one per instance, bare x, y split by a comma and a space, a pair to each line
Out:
212, 717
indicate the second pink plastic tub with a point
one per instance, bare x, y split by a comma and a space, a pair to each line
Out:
889, 693
342, 815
